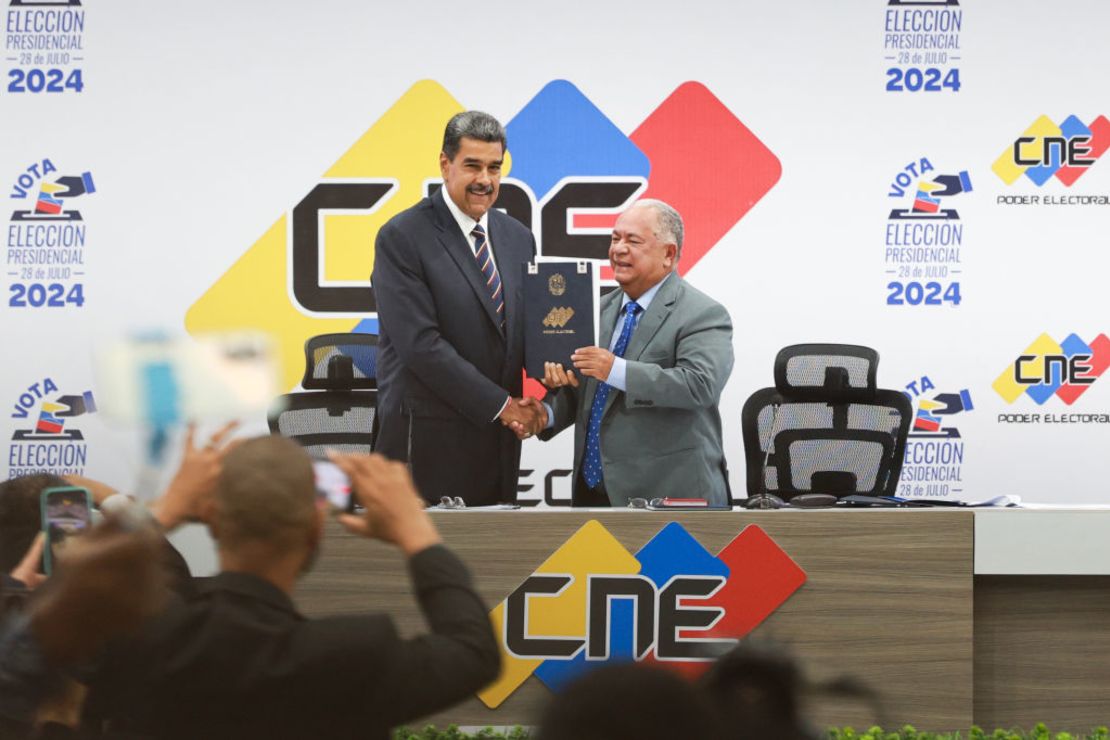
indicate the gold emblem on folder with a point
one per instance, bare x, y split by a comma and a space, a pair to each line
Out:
557, 284
558, 317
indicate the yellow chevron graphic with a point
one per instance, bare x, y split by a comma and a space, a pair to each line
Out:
404, 145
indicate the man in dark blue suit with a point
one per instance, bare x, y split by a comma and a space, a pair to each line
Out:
447, 279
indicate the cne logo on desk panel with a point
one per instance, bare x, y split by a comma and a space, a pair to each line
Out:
569, 170
672, 603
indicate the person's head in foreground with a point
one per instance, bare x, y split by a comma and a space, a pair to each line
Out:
263, 513
756, 687
629, 701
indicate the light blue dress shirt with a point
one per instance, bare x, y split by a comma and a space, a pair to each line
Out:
620, 366
617, 372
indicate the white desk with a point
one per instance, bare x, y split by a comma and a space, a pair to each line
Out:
1073, 541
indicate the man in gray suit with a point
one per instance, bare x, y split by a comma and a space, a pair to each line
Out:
646, 418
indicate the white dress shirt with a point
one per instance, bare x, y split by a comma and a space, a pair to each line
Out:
467, 224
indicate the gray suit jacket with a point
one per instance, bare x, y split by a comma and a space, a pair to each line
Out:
662, 437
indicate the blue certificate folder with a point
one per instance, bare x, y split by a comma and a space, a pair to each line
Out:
558, 312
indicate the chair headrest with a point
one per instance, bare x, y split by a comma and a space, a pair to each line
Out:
826, 372
341, 362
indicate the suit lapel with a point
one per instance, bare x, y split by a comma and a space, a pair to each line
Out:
455, 244
509, 271
610, 305
647, 327
653, 318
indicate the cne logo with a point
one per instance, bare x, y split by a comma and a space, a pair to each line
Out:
558, 317
568, 172
1047, 368
672, 603
1047, 150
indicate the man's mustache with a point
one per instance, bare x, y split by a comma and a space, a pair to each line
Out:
480, 189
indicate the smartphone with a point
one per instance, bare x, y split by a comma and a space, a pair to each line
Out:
333, 485
66, 512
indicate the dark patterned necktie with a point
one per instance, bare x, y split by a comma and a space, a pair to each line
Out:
591, 460
489, 271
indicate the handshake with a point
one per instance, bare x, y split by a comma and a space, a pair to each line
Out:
528, 416
524, 416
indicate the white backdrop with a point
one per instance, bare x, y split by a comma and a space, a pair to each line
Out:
203, 124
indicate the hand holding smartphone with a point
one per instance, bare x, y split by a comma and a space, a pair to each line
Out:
333, 485
66, 512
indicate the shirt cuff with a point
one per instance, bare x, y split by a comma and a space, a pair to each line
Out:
617, 374
550, 417
504, 406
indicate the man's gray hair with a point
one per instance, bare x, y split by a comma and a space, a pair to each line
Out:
670, 228
473, 124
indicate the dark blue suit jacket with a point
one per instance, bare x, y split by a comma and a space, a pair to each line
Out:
445, 365
237, 661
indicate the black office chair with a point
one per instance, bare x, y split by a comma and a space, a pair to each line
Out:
824, 431
338, 408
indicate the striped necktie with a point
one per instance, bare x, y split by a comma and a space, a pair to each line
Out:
591, 460
489, 270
